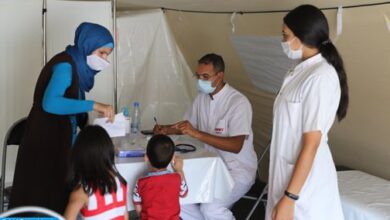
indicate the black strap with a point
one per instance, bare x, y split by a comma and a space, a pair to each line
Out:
185, 148
291, 195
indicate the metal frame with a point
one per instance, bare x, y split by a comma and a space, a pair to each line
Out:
44, 20
115, 54
4, 162
265, 190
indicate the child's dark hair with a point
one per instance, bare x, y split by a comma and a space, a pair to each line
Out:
92, 161
160, 151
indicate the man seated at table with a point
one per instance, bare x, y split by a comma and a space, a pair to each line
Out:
220, 117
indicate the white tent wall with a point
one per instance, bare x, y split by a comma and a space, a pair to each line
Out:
234, 5
21, 42
361, 140
152, 69
63, 17
21, 61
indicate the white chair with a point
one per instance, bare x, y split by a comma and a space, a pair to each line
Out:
32, 209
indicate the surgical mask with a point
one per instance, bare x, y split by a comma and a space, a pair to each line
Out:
205, 86
292, 54
97, 63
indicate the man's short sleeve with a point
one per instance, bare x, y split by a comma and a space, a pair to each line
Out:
240, 121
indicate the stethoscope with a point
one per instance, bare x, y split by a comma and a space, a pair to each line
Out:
185, 148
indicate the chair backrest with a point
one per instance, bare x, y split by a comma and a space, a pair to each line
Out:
15, 133
13, 137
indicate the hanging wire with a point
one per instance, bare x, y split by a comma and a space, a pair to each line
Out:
273, 11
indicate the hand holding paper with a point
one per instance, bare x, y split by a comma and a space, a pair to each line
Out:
105, 110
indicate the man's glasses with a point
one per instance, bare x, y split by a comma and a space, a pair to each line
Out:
204, 76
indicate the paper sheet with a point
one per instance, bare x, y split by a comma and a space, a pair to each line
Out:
115, 129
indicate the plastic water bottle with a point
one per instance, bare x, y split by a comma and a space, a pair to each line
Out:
135, 119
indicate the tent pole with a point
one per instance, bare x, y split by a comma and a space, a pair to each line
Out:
44, 20
113, 5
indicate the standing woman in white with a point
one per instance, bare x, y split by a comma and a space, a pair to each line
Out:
302, 179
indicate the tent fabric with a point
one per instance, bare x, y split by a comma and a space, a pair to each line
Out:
152, 69
263, 60
21, 62
234, 5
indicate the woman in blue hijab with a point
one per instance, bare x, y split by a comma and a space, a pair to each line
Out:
59, 108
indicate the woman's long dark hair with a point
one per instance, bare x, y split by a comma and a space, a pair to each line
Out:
309, 24
92, 162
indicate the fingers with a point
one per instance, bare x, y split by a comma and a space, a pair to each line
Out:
160, 129
177, 163
156, 129
183, 126
180, 124
177, 125
109, 113
105, 110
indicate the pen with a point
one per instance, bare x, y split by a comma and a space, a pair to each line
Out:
155, 120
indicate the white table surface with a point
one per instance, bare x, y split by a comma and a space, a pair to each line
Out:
206, 174
364, 196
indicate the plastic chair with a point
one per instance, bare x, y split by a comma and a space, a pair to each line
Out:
13, 136
259, 198
31, 209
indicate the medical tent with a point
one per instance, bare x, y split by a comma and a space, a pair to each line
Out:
158, 44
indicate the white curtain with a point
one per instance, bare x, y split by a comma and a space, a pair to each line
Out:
21, 61
152, 69
263, 60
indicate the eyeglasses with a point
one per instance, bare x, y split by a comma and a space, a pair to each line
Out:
203, 76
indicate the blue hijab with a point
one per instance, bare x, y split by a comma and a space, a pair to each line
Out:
88, 38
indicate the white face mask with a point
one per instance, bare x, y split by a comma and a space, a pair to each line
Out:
292, 54
97, 63
205, 86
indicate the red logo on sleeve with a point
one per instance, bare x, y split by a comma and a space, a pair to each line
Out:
218, 130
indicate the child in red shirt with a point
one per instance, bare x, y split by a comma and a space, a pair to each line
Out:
156, 195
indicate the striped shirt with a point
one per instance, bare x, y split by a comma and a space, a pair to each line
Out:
107, 206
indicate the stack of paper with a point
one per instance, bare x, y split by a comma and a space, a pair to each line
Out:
115, 129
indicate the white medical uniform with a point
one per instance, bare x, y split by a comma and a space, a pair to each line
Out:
228, 113
307, 101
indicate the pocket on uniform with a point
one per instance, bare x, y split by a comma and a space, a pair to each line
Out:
294, 114
282, 176
289, 166
300, 205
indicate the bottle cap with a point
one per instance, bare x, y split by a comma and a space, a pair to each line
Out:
125, 111
135, 104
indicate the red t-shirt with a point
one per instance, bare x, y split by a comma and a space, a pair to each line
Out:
158, 193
